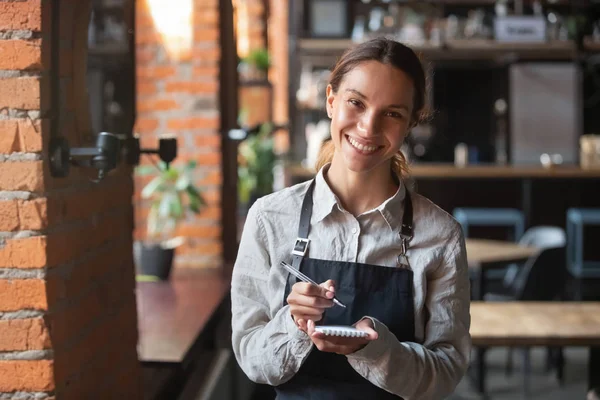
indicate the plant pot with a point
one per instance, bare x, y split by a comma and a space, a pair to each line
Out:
154, 260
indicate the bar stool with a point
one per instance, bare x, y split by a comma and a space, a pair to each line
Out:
581, 269
477, 216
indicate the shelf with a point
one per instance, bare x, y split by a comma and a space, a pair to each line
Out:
457, 50
591, 45
473, 2
445, 171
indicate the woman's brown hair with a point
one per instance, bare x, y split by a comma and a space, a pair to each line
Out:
390, 52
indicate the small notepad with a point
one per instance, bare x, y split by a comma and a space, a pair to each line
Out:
346, 331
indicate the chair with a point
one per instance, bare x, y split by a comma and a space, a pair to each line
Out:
475, 216
577, 219
541, 278
505, 217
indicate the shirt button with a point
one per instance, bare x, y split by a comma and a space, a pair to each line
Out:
354, 230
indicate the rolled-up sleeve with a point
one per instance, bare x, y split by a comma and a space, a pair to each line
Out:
433, 369
269, 348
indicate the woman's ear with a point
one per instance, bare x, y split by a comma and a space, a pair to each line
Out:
330, 96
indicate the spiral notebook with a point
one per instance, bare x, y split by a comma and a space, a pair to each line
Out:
336, 330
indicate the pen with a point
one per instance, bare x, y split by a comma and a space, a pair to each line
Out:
305, 278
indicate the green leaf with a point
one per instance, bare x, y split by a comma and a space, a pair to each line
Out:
152, 187
145, 170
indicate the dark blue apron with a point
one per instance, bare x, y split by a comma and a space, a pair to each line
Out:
381, 292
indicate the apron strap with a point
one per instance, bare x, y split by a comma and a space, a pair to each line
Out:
302, 241
406, 230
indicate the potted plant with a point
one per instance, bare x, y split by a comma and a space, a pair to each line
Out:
256, 162
173, 196
255, 66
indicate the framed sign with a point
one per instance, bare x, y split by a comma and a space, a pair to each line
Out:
328, 18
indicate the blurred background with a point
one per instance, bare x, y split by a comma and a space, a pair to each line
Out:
136, 134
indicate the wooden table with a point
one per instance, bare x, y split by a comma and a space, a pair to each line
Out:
525, 324
483, 254
177, 320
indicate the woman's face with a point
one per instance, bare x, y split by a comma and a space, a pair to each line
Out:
370, 115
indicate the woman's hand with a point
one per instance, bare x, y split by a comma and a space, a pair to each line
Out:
339, 344
308, 301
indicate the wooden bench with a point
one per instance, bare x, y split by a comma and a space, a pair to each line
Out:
530, 324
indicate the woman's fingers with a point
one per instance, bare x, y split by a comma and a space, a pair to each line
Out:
307, 311
316, 301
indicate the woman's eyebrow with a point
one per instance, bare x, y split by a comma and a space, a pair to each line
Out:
362, 96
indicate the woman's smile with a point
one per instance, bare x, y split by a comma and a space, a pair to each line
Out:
365, 149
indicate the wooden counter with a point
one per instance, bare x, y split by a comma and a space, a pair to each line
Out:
478, 171
180, 322
173, 314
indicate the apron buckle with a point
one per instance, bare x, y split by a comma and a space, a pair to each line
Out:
402, 259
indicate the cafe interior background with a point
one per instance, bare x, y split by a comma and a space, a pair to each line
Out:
135, 135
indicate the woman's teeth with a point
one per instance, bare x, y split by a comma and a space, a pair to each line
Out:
363, 148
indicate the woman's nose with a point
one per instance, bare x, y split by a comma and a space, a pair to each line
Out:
367, 124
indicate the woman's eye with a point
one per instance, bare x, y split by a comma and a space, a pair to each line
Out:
394, 114
354, 103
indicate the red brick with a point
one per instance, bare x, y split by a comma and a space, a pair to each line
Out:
205, 55
147, 36
25, 175
145, 55
145, 88
206, 18
22, 293
26, 376
206, 72
212, 213
212, 178
206, 35
212, 197
194, 123
146, 125
25, 15
20, 135
24, 334
192, 87
23, 215
71, 245
199, 231
24, 252
21, 93
156, 105
155, 72
83, 275
213, 158
21, 54
143, 20
210, 141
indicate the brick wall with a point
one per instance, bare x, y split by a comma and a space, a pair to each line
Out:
180, 96
279, 74
67, 306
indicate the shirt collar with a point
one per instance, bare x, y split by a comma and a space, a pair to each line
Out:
323, 197
324, 201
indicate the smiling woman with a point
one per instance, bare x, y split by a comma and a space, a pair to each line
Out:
390, 63
397, 261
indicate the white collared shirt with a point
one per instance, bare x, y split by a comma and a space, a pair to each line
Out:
268, 345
